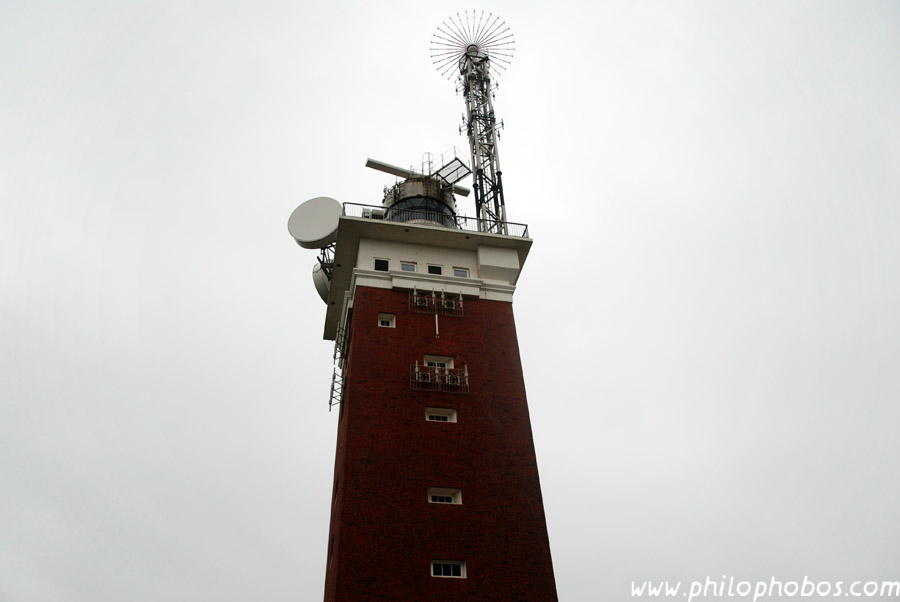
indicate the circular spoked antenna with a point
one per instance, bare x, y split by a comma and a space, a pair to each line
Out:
314, 223
473, 33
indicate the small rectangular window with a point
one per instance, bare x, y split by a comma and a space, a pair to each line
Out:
407, 266
382, 265
442, 495
448, 568
440, 415
435, 269
461, 272
387, 320
439, 361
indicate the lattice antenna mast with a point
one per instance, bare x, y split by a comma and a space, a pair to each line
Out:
473, 48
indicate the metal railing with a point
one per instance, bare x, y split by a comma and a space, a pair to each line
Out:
429, 218
434, 378
435, 302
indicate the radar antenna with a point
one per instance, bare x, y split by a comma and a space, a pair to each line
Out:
473, 47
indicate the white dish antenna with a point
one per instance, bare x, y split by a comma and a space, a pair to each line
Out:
320, 279
314, 223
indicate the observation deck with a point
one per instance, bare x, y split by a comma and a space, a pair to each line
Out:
496, 259
423, 216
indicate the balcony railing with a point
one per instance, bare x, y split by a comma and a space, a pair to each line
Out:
435, 302
430, 218
432, 378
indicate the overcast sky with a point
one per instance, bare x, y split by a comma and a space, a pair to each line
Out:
708, 318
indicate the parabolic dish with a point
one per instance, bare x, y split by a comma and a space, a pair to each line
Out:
320, 279
314, 223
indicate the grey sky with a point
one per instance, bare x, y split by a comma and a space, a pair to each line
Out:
708, 319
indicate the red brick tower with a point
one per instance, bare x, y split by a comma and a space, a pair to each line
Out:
436, 489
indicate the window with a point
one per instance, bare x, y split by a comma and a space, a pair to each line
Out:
461, 272
442, 495
387, 320
438, 361
435, 269
407, 266
448, 568
440, 415
382, 265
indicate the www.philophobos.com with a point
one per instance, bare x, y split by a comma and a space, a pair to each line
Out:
729, 587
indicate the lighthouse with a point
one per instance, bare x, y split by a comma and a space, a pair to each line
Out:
436, 493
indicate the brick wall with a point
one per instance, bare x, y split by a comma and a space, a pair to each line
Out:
384, 531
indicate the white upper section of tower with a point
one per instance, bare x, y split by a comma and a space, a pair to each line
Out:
386, 254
